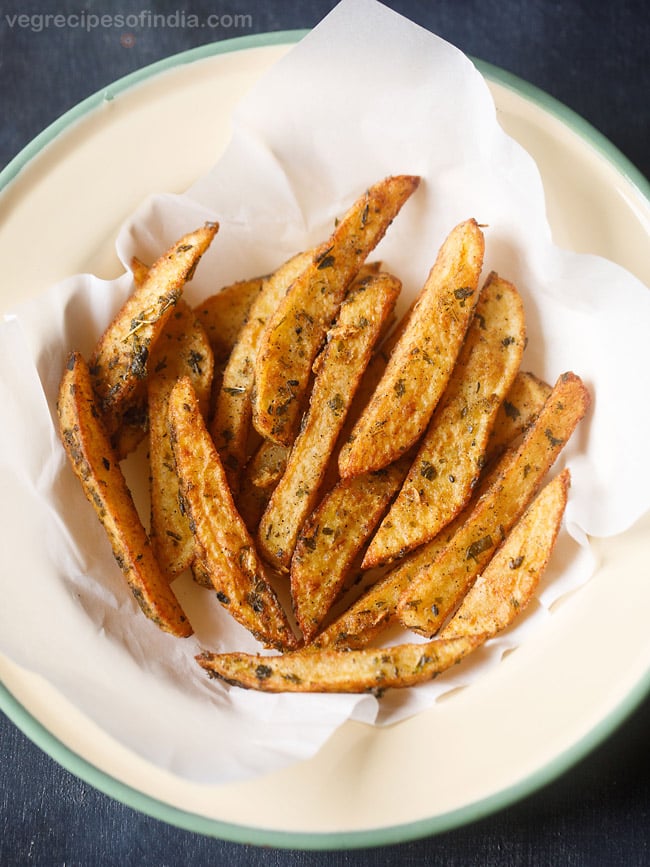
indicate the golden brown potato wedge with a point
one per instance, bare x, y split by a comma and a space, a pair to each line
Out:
507, 584
223, 545
453, 450
294, 334
354, 671
183, 349
338, 371
119, 362
333, 536
437, 589
421, 363
520, 408
96, 465
224, 314
231, 425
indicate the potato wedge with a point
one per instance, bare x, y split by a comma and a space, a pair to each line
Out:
223, 545
183, 349
520, 408
453, 451
119, 362
295, 332
338, 371
224, 314
354, 671
507, 584
96, 465
421, 363
333, 536
231, 425
437, 589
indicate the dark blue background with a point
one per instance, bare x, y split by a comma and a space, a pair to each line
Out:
592, 56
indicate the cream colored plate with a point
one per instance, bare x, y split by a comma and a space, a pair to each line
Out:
529, 718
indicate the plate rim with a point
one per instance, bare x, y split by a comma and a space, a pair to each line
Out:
109, 785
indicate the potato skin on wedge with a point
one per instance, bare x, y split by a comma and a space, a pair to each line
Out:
437, 589
452, 452
119, 362
183, 349
352, 671
422, 361
223, 545
97, 467
294, 334
507, 585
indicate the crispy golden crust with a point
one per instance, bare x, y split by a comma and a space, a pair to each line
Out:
354, 671
224, 546
224, 314
333, 536
296, 331
437, 589
338, 371
421, 363
520, 408
96, 465
119, 362
453, 450
508, 583
231, 425
183, 349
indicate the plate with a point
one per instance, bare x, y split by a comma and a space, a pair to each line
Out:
528, 719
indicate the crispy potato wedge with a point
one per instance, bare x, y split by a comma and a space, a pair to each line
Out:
183, 349
261, 474
294, 334
421, 363
96, 465
509, 581
119, 362
333, 536
224, 314
453, 451
522, 405
231, 425
437, 589
367, 617
223, 545
338, 371
354, 671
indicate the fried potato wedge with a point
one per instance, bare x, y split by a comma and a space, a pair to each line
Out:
223, 545
261, 474
339, 368
96, 465
295, 333
452, 453
521, 406
354, 671
231, 425
183, 349
333, 536
510, 579
437, 589
224, 314
119, 362
421, 363
367, 617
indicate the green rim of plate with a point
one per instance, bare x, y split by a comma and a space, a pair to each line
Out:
135, 799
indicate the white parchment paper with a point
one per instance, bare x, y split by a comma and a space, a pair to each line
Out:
364, 95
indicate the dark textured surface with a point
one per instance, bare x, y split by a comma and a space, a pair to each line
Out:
591, 56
